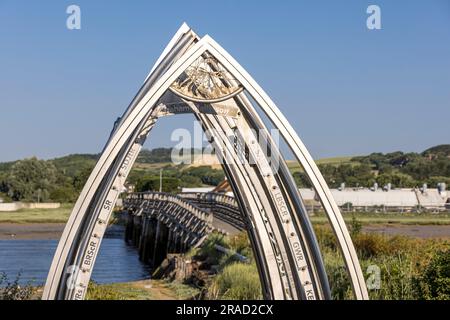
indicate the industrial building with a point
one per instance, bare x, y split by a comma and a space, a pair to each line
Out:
395, 199
406, 199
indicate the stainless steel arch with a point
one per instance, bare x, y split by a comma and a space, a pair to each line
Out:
287, 253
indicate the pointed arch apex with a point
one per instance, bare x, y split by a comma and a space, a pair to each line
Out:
276, 242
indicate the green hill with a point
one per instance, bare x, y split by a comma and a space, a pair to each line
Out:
442, 150
294, 166
73, 164
6, 166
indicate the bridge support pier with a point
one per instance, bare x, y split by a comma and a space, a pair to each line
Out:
171, 247
148, 238
129, 226
181, 244
142, 237
161, 238
178, 243
137, 230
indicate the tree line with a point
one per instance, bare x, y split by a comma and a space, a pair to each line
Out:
401, 170
61, 179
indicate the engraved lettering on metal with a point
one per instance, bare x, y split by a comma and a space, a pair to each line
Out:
90, 253
196, 75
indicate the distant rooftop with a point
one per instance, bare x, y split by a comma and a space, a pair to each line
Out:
363, 197
392, 198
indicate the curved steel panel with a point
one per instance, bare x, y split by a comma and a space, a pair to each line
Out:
284, 243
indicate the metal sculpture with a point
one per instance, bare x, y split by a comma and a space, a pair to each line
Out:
207, 81
198, 76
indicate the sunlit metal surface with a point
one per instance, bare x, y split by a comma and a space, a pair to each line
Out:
206, 80
194, 74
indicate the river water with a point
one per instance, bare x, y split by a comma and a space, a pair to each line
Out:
116, 262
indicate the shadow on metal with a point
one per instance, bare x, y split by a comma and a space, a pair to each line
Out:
196, 75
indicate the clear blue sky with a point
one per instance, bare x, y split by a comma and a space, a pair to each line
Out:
382, 90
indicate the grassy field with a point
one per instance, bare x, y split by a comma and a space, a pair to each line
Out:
152, 166
390, 218
59, 215
294, 166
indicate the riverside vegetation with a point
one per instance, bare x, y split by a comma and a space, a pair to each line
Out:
411, 269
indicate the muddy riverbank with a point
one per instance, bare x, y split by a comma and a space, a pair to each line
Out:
30, 231
43, 231
416, 231
49, 231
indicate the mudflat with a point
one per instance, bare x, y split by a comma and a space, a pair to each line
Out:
46, 231
416, 231
41, 231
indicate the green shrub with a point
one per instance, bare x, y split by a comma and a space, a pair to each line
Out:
13, 290
371, 244
409, 268
152, 183
325, 237
99, 292
63, 194
209, 250
206, 174
434, 284
5, 197
240, 243
337, 275
237, 281
395, 271
355, 227
396, 277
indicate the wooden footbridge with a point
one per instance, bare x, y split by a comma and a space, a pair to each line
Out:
160, 223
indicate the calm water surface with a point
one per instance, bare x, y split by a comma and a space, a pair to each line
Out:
116, 262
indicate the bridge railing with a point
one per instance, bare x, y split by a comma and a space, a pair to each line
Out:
144, 202
210, 196
224, 207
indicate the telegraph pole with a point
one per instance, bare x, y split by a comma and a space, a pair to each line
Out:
160, 180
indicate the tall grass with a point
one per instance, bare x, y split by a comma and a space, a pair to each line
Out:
237, 281
208, 252
12, 290
103, 292
404, 264
409, 268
